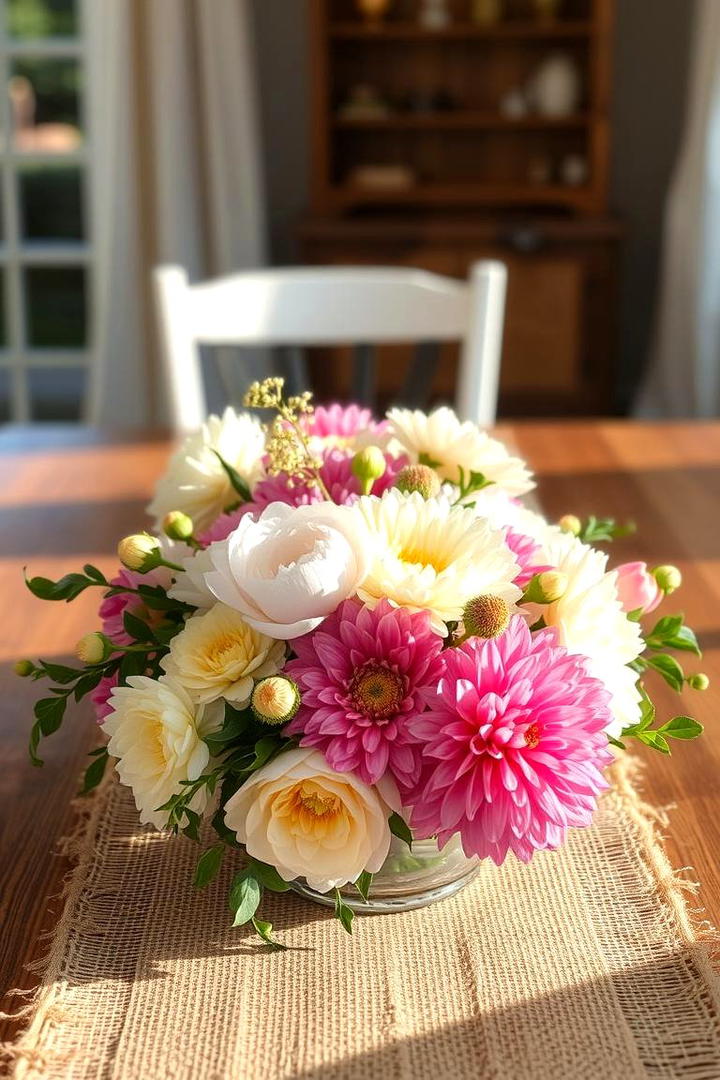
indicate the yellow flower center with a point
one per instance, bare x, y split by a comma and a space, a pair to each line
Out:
318, 804
221, 649
376, 690
416, 553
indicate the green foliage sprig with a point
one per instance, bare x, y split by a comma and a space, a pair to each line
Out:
597, 530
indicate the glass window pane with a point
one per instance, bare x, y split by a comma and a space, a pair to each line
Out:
56, 393
50, 203
44, 101
42, 18
5, 405
55, 301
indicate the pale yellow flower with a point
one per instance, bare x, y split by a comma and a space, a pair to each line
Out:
442, 440
429, 555
218, 654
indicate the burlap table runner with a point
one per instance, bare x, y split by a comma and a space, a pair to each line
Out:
583, 965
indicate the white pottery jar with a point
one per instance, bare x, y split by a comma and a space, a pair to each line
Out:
555, 88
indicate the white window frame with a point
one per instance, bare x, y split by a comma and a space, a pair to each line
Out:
16, 255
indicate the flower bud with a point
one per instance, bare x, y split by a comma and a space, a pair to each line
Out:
571, 524
420, 478
668, 578
486, 616
637, 588
275, 700
23, 668
177, 526
93, 648
546, 588
368, 465
699, 681
140, 552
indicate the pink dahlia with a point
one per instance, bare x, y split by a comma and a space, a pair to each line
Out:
342, 423
337, 476
362, 676
513, 745
113, 608
528, 554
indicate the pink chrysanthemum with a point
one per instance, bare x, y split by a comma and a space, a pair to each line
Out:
113, 608
100, 696
342, 422
337, 475
528, 554
362, 676
513, 745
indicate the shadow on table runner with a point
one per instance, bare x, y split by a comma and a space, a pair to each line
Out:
584, 964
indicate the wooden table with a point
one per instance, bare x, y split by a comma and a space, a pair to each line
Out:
66, 497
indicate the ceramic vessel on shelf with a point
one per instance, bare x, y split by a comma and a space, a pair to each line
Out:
434, 14
574, 170
486, 12
547, 10
373, 11
410, 878
555, 88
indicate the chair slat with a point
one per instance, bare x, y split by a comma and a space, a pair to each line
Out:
364, 375
416, 390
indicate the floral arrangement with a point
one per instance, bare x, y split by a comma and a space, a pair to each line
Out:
343, 629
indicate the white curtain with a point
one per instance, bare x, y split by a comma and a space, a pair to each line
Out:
178, 178
684, 374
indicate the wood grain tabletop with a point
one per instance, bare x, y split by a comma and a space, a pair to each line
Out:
67, 496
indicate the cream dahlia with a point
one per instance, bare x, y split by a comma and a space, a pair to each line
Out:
196, 482
591, 622
442, 440
156, 733
429, 555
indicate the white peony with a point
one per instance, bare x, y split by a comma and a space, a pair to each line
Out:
442, 438
156, 734
591, 621
190, 586
218, 655
300, 816
195, 481
288, 570
429, 555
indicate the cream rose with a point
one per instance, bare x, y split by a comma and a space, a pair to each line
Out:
300, 816
156, 733
288, 570
218, 655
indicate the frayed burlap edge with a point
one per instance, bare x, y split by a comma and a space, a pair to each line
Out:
45, 1011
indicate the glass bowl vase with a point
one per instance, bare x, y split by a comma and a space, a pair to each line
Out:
409, 878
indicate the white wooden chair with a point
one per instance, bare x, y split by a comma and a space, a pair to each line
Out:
333, 306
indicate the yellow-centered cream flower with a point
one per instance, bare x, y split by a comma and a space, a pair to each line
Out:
430, 555
441, 440
156, 733
196, 482
300, 816
218, 655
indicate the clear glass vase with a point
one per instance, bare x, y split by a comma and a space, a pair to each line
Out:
408, 879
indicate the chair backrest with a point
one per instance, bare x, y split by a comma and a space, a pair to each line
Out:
331, 306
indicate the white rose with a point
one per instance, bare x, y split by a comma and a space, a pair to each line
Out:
156, 733
218, 655
196, 482
300, 816
291, 568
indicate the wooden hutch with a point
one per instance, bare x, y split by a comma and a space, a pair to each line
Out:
427, 151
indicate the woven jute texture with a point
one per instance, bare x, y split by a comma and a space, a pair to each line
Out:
583, 965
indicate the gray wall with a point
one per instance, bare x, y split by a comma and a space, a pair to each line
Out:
651, 62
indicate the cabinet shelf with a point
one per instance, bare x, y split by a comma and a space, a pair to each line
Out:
460, 121
462, 31
460, 193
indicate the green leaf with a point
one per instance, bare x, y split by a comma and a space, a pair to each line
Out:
597, 530
192, 829
95, 771
235, 724
668, 626
87, 683
67, 588
95, 574
682, 727
33, 744
136, 628
655, 740
268, 876
153, 596
668, 667
684, 641
208, 865
616, 742
235, 479
60, 673
244, 899
400, 828
49, 713
343, 912
363, 884
132, 663
264, 929
425, 459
